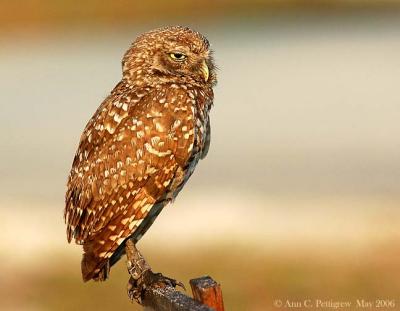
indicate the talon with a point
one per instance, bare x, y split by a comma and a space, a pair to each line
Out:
157, 278
134, 291
180, 284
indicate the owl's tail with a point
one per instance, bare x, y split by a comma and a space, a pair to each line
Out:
94, 267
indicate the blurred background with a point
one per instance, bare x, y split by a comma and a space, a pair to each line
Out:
299, 196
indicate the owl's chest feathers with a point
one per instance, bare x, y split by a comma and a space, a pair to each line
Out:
183, 110
199, 105
187, 107
198, 108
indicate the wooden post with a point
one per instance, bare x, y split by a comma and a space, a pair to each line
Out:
208, 292
162, 296
169, 299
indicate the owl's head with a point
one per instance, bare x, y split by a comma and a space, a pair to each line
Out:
172, 54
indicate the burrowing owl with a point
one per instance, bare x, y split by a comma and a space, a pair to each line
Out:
141, 145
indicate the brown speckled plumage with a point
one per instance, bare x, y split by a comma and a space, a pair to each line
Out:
141, 145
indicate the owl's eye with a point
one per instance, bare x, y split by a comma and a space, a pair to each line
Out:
177, 56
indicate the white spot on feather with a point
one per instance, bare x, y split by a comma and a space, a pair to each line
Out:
150, 149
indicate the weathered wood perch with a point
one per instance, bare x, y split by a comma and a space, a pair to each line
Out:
162, 297
206, 292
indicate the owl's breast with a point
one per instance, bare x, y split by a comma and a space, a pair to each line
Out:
199, 122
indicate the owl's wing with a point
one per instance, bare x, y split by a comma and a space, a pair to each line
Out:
127, 159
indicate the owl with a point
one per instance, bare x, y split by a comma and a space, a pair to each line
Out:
141, 145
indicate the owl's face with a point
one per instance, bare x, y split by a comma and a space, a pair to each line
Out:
172, 54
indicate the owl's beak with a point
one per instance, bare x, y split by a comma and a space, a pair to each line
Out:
204, 70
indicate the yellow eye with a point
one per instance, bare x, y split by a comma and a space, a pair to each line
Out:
177, 56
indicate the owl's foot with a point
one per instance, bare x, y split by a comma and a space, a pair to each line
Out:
159, 280
137, 268
135, 290
141, 275
137, 286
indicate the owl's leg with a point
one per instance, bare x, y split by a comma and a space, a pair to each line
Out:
141, 274
137, 267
